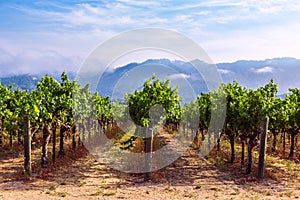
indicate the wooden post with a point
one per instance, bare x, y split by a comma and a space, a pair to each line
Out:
262, 150
27, 146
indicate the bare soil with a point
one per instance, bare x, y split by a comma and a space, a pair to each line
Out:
79, 176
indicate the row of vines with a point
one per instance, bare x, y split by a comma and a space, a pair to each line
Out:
66, 106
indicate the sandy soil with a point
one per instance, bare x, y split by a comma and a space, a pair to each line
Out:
83, 177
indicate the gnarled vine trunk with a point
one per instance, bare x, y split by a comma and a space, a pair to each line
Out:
46, 138
11, 139
54, 127
63, 129
83, 126
250, 147
209, 136
1, 144
252, 142
243, 139
293, 133
202, 133
20, 141
89, 129
79, 134
218, 138
231, 136
74, 128
1, 132
34, 130
284, 133
275, 134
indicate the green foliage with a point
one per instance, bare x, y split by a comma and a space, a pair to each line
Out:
154, 92
56, 99
190, 115
103, 107
246, 107
68, 102
82, 103
204, 103
292, 106
278, 114
49, 93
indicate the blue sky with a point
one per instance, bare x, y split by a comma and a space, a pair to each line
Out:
37, 36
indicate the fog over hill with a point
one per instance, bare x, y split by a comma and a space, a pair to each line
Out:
252, 74
249, 73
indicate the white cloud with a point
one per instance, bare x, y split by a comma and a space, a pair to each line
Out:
272, 7
139, 3
119, 15
178, 76
224, 71
128, 14
253, 43
74, 31
203, 4
266, 69
35, 61
5, 57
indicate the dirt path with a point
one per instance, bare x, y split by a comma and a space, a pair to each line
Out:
190, 177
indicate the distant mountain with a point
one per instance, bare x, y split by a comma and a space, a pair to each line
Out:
253, 74
23, 82
130, 77
29, 81
249, 73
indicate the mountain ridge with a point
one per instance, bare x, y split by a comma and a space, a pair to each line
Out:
249, 73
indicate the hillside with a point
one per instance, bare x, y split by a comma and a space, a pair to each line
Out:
249, 73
